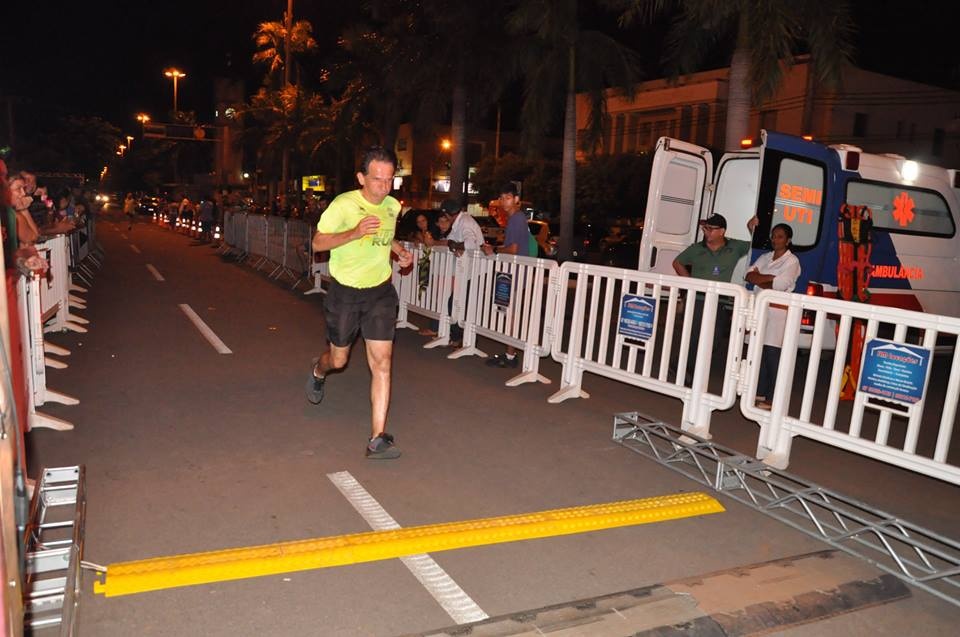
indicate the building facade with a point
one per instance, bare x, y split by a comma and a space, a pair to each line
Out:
878, 113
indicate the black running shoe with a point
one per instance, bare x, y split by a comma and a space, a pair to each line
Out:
315, 388
382, 448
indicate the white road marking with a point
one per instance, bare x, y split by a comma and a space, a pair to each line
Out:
156, 274
208, 334
461, 608
135, 248
123, 236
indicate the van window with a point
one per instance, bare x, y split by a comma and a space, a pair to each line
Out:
797, 199
903, 210
736, 193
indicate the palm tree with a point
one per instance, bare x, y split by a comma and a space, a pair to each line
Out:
270, 38
471, 62
765, 35
559, 59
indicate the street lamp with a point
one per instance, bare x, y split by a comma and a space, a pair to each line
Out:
143, 118
120, 149
129, 141
176, 75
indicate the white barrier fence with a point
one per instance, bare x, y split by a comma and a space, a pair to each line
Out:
664, 334
889, 418
257, 234
44, 305
55, 290
35, 361
284, 243
511, 300
427, 289
624, 325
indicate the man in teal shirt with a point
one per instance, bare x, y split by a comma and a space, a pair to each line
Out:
357, 229
713, 259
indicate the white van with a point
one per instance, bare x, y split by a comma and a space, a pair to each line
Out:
915, 249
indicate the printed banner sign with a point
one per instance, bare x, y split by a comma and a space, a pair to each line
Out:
502, 283
636, 316
894, 371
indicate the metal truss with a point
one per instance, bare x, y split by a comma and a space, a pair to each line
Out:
54, 549
914, 554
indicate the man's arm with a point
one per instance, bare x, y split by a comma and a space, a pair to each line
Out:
323, 241
504, 249
404, 256
680, 269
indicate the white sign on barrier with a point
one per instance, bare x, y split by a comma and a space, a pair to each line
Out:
894, 371
637, 317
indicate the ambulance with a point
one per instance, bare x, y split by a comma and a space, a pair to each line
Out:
915, 252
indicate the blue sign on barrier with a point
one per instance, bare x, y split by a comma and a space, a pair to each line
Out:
636, 316
502, 283
894, 371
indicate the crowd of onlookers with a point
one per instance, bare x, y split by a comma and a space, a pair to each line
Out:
32, 211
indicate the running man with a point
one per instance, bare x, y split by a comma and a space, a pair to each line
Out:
358, 229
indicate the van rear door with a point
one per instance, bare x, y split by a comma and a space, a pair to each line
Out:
679, 191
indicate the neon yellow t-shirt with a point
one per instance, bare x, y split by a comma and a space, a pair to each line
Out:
364, 262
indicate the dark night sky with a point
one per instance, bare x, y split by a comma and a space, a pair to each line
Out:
106, 58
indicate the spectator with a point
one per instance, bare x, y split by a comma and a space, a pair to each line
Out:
712, 259
206, 216
423, 234
778, 269
465, 234
516, 241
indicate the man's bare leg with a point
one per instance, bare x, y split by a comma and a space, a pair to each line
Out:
379, 357
334, 358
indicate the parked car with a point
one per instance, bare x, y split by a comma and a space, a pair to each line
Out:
546, 240
493, 232
149, 204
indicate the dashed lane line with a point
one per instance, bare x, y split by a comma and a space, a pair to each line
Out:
208, 333
453, 599
156, 274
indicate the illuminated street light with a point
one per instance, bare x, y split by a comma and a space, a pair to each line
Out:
143, 118
445, 144
176, 75
129, 141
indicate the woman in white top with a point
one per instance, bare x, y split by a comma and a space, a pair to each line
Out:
775, 270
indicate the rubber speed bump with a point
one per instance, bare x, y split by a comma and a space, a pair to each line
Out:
126, 578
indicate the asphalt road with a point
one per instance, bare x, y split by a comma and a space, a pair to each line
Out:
190, 450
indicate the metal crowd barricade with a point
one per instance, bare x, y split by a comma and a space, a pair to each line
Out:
257, 236
31, 330
512, 300
276, 243
296, 250
229, 231
604, 339
889, 428
55, 290
428, 290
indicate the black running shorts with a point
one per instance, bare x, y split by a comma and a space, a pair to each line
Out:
371, 311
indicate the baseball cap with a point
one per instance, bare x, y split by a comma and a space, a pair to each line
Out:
450, 206
716, 221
